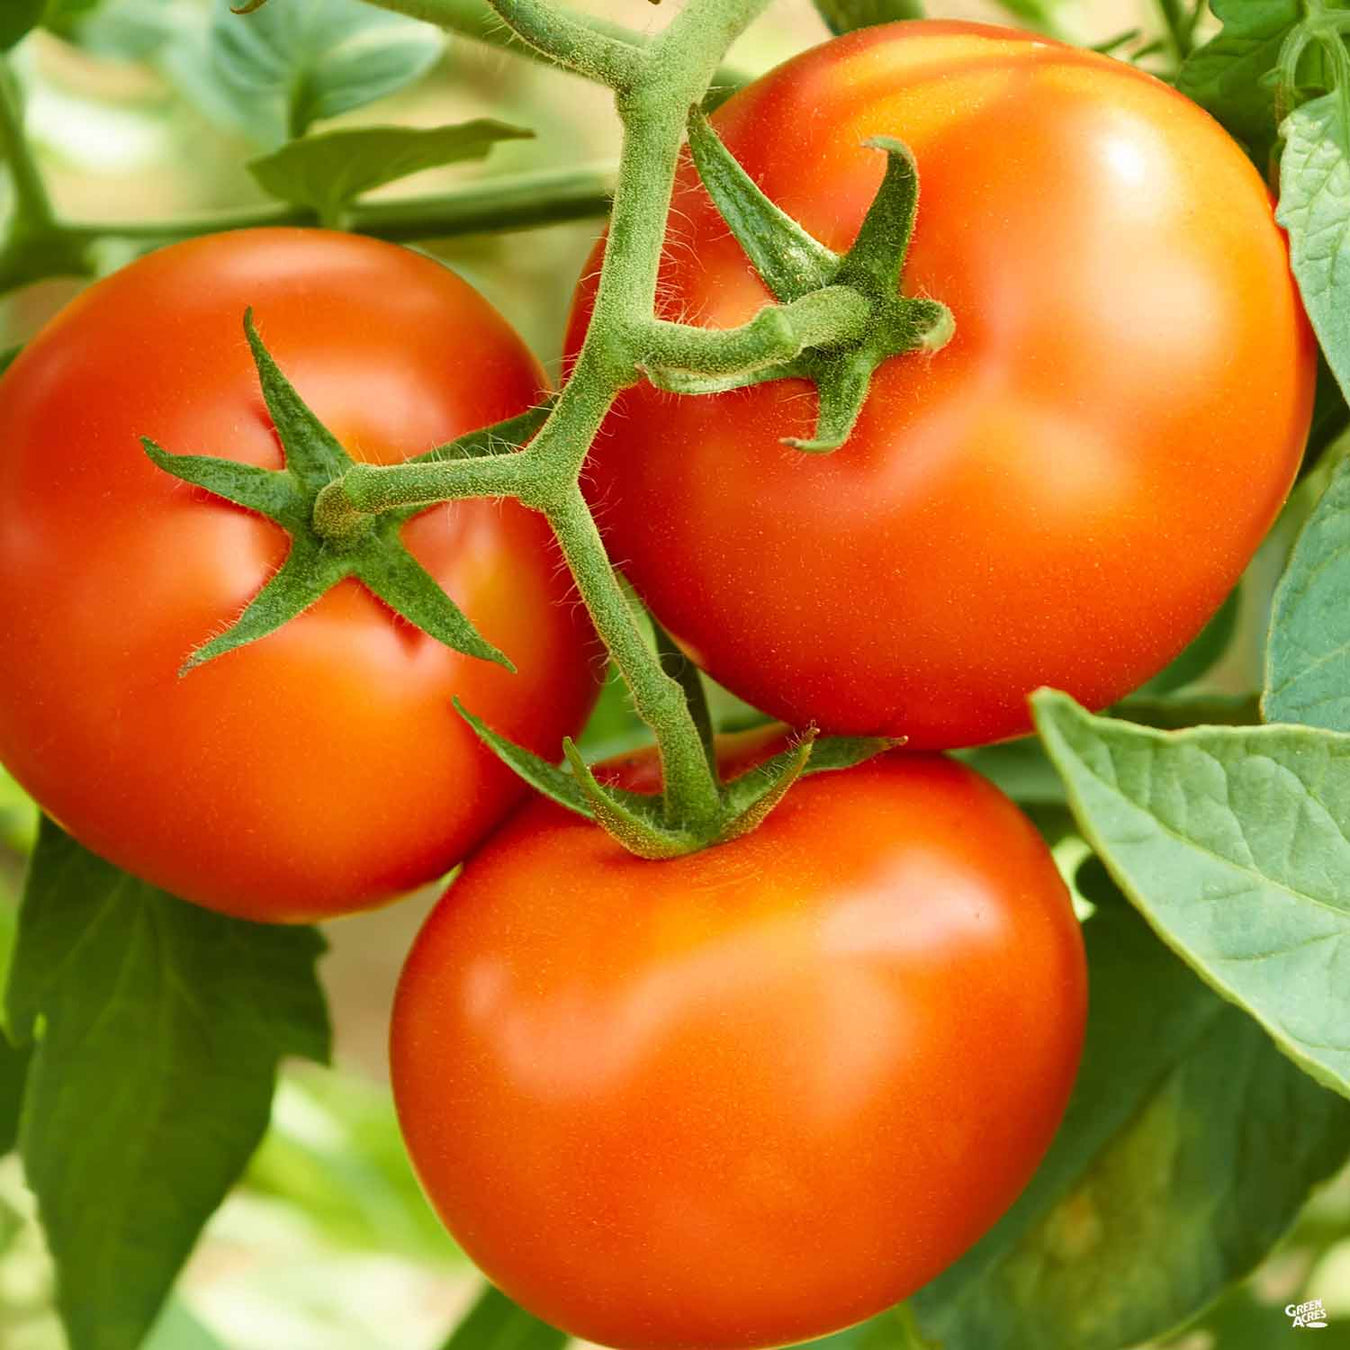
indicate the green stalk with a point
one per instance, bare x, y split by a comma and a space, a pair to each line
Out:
654, 92
478, 20
511, 202
32, 206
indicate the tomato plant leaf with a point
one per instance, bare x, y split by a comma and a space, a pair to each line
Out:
13, 1059
1201, 654
157, 1028
1230, 76
326, 172
495, 1323
1308, 650
284, 67
1147, 1204
1235, 845
895, 1329
1315, 210
843, 16
18, 19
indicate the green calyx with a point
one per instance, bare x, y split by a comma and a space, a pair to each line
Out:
796, 266
328, 546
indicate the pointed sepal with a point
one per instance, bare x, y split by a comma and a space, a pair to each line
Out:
789, 259
876, 261
831, 753
752, 796
842, 385
307, 574
373, 552
555, 783
635, 820
272, 494
313, 453
793, 264
396, 577
501, 438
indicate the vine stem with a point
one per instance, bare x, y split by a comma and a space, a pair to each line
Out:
655, 86
478, 20
509, 202
33, 208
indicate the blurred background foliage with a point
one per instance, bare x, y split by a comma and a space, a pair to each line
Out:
328, 1244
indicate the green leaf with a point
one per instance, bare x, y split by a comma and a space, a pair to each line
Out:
18, 815
1189, 1146
328, 171
1207, 647
333, 1151
178, 1329
13, 1074
1230, 75
1020, 768
843, 16
1234, 844
158, 1027
495, 1323
895, 1329
288, 65
1308, 650
17, 19
1315, 210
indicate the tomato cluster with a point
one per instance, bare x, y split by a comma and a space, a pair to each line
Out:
760, 1092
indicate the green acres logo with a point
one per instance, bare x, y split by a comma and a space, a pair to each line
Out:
1310, 1314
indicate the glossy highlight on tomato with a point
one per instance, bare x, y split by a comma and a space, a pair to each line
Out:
1063, 494
755, 1094
324, 768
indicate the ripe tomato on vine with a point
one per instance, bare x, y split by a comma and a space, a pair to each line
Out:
1064, 493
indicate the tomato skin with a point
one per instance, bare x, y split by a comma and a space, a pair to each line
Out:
322, 769
753, 1095
1061, 496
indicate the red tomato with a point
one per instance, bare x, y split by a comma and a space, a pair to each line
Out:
755, 1094
1063, 494
322, 769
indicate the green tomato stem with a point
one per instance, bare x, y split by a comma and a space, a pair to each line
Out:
777, 333
692, 794
476, 19
32, 206
509, 202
